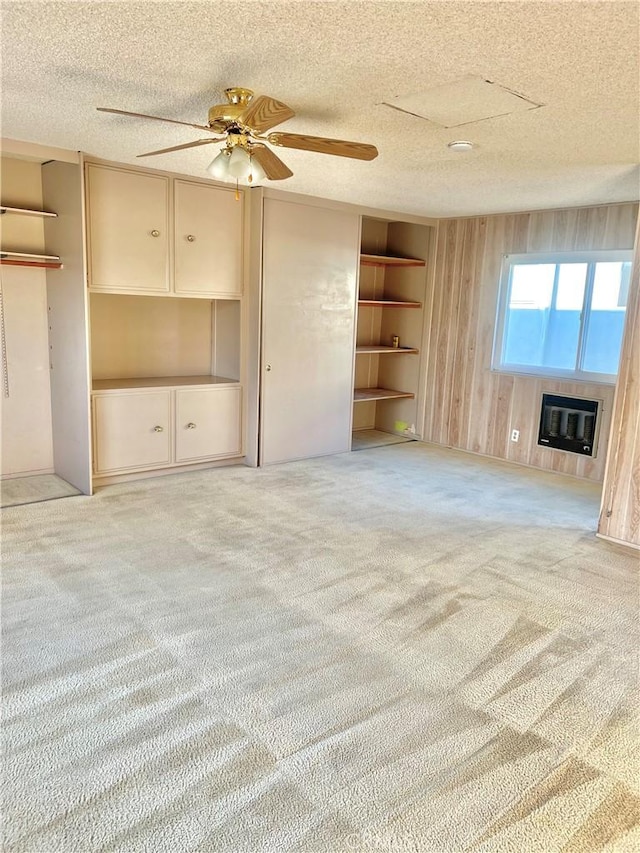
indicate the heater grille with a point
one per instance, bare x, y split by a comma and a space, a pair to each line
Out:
569, 423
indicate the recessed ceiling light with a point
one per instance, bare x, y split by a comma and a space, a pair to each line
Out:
460, 145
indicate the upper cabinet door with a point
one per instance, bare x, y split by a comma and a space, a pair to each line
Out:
208, 241
128, 230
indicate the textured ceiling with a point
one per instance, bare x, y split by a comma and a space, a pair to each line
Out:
335, 63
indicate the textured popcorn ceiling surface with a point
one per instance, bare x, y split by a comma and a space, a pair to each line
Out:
335, 63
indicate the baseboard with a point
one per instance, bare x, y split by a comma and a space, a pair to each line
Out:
113, 479
501, 459
28, 473
631, 545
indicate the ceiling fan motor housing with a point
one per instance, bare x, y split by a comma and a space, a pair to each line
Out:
238, 100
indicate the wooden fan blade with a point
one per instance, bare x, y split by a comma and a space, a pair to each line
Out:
264, 113
337, 147
179, 147
273, 166
154, 118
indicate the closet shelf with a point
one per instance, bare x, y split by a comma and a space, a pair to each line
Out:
388, 303
23, 211
30, 259
361, 395
26, 255
388, 261
373, 348
41, 265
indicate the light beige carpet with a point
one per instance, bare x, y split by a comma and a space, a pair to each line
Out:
409, 649
34, 489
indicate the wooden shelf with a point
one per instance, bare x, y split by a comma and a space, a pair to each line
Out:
45, 265
22, 211
28, 256
361, 395
388, 303
159, 382
30, 259
387, 261
387, 287
372, 348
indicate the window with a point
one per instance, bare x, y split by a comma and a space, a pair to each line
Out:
563, 315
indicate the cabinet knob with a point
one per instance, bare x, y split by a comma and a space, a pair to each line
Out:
158, 429
267, 367
155, 233
191, 426
190, 238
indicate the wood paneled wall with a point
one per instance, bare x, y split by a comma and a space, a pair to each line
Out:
467, 405
620, 513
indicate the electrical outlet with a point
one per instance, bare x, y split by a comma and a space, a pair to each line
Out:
515, 435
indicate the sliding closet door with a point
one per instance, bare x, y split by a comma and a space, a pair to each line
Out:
310, 264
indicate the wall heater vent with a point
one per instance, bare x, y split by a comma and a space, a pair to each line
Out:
569, 423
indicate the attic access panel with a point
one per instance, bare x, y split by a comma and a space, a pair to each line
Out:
464, 101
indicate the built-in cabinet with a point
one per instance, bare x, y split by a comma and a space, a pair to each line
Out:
165, 381
154, 234
165, 422
165, 259
390, 326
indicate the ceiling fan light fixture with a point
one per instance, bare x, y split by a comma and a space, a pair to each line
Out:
219, 166
235, 164
239, 162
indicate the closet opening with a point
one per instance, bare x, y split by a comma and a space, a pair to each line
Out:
45, 448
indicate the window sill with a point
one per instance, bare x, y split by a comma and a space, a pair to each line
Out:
595, 379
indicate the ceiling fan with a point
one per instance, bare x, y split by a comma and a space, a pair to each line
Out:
242, 121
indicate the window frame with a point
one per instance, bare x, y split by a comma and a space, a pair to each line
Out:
590, 258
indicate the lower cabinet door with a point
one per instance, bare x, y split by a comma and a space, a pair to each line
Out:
132, 430
208, 423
